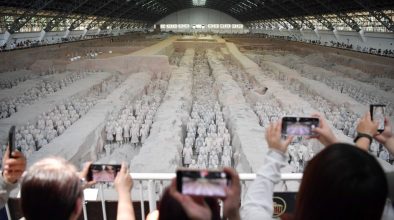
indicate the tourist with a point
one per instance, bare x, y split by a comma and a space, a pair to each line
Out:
52, 189
340, 182
174, 205
12, 171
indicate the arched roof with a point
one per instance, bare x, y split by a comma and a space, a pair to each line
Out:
150, 11
243, 10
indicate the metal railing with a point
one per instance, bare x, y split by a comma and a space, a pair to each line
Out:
150, 186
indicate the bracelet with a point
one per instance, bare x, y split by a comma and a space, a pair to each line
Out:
360, 135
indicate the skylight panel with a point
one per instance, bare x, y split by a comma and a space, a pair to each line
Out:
199, 2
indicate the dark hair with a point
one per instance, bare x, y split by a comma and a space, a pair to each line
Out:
342, 182
50, 190
169, 208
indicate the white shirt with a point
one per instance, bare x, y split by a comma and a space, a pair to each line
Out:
258, 202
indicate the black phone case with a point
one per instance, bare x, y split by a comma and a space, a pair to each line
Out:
11, 140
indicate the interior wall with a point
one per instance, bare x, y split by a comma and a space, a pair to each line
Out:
377, 40
203, 16
198, 16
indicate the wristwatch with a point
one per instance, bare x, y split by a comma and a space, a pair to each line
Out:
360, 135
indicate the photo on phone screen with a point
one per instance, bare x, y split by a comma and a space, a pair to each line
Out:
299, 126
103, 172
377, 115
202, 183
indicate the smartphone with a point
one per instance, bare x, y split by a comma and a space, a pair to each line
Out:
377, 115
299, 126
103, 172
207, 183
11, 140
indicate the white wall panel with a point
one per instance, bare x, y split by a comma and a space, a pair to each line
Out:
198, 16
377, 40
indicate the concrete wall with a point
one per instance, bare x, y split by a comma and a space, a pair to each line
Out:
203, 16
56, 36
377, 40
198, 16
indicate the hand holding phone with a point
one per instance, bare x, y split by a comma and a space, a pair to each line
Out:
103, 172
324, 134
207, 183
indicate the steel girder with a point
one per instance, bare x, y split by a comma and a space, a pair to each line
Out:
302, 18
149, 11
290, 20
326, 23
108, 14
341, 15
385, 20
28, 15
82, 18
117, 18
63, 15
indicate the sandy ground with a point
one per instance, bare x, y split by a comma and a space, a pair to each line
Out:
84, 140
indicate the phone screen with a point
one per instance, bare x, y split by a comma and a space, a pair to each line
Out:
103, 172
202, 183
299, 126
11, 140
378, 114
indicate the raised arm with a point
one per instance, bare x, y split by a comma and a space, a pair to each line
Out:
258, 202
123, 185
366, 129
324, 133
386, 137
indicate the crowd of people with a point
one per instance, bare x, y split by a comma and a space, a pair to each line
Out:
32, 137
25, 44
300, 150
357, 92
268, 111
207, 144
37, 43
51, 124
383, 82
176, 58
348, 182
10, 106
132, 124
9, 83
341, 117
336, 44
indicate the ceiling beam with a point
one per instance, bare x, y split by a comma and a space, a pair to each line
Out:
289, 20
36, 7
385, 20
118, 17
82, 18
326, 23
341, 15
107, 14
62, 16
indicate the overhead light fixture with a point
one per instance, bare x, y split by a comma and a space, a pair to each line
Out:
199, 2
